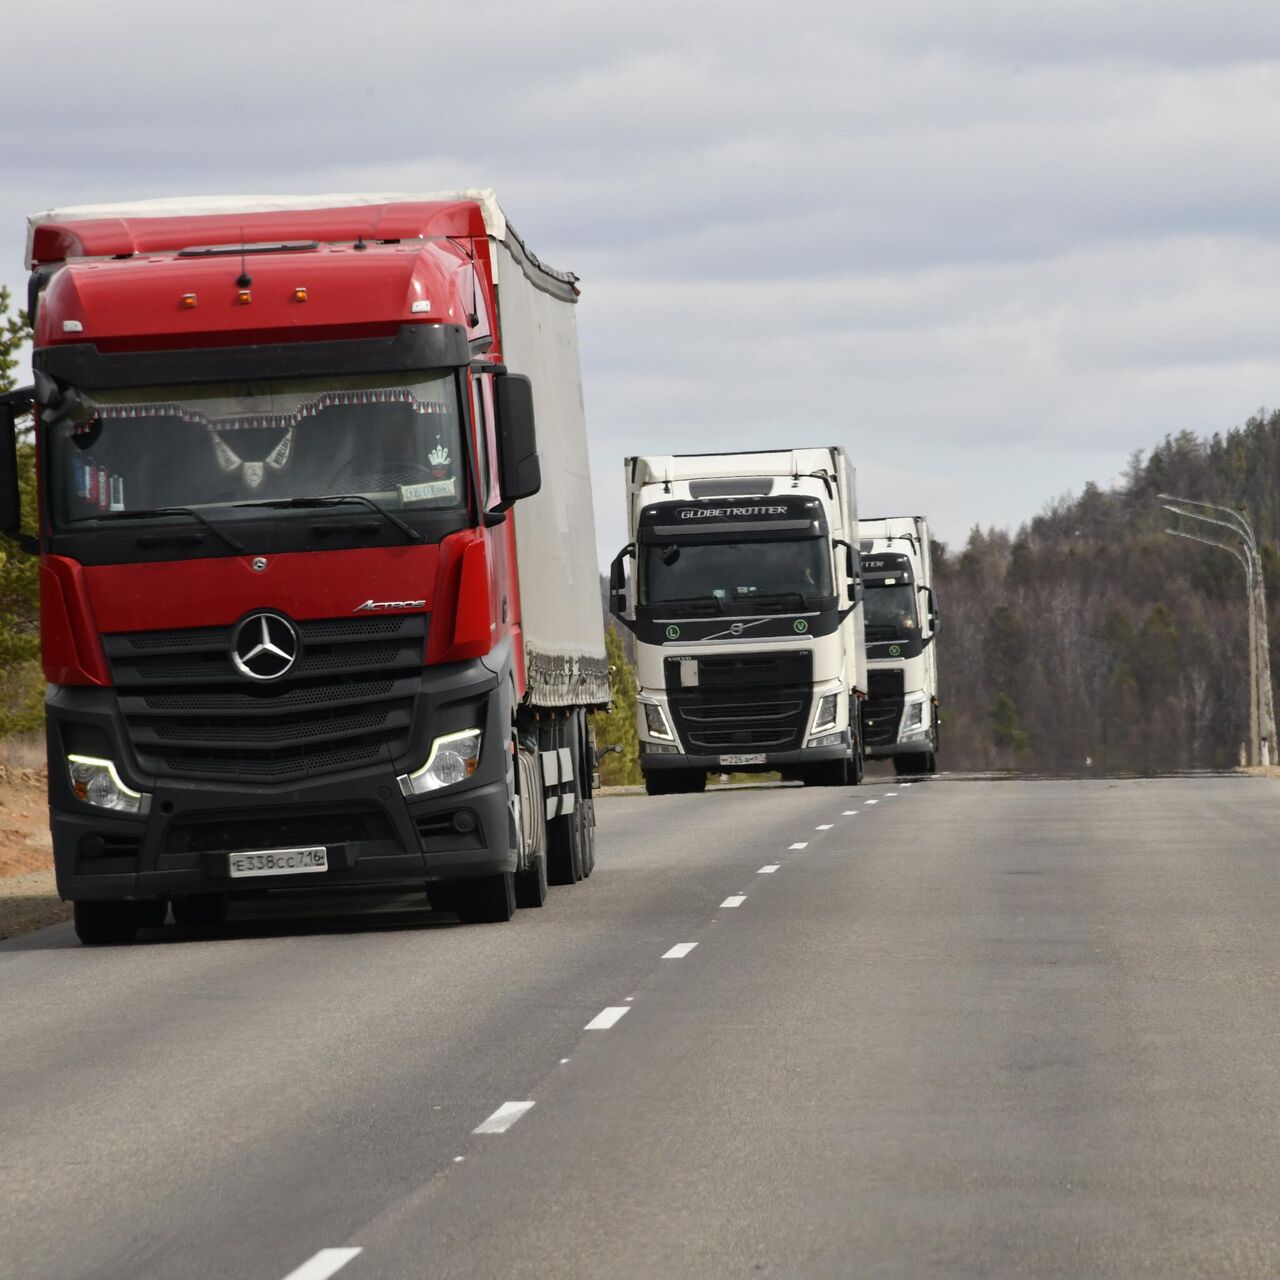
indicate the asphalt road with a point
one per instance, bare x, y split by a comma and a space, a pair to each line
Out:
1022, 1029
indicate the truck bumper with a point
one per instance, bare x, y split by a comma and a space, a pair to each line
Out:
373, 835
774, 761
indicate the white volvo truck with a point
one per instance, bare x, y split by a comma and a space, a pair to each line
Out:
900, 716
742, 587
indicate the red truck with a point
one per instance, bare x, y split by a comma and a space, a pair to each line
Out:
317, 610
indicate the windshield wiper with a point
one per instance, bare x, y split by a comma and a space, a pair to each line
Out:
334, 500
699, 602
151, 513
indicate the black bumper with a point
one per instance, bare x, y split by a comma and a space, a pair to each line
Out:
372, 833
773, 760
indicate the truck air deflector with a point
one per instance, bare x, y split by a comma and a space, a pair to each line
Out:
414, 347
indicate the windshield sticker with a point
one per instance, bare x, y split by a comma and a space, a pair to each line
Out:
425, 492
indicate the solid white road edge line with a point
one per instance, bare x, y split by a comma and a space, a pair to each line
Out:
505, 1116
804, 844
735, 901
326, 1263
679, 951
769, 870
607, 1018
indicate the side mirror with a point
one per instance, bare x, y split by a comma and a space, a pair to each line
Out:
618, 582
852, 569
519, 472
12, 407
931, 605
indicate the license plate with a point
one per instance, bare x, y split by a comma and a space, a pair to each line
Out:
278, 862
759, 759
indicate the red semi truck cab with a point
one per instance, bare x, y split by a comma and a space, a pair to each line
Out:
316, 609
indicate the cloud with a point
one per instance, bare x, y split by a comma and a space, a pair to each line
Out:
992, 247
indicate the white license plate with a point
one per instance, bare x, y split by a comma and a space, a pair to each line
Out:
759, 759
278, 862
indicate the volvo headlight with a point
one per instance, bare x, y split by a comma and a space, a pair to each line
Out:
96, 782
824, 716
914, 720
655, 721
453, 758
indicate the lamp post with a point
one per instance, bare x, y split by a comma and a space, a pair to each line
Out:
1260, 645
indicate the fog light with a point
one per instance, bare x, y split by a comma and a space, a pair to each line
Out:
828, 740
96, 782
453, 758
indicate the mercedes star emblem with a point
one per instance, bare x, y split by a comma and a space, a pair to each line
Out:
264, 646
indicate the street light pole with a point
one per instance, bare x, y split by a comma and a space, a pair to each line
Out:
1261, 643
1254, 752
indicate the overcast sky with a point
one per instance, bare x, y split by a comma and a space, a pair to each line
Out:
991, 247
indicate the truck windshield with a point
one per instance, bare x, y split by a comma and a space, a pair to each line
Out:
394, 438
891, 612
751, 577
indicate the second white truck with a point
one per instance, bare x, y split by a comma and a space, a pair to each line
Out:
900, 716
745, 601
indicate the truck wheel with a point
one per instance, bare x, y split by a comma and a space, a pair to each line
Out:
201, 911
909, 766
105, 924
531, 881
588, 837
658, 784
486, 899
829, 773
151, 913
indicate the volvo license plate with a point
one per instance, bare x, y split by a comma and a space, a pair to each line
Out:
278, 862
757, 759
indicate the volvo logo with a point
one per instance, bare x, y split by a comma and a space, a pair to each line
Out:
264, 646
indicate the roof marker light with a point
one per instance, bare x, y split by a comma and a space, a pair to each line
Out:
419, 307
300, 293
244, 297
72, 326
188, 300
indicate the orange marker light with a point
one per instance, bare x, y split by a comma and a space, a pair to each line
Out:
188, 300
300, 294
244, 297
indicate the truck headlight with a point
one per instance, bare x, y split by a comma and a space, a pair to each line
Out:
96, 782
453, 758
655, 721
913, 715
824, 716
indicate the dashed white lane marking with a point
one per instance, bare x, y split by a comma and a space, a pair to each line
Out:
871, 802
769, 870
735, 901
888, 795
326, 1263
804, 844
679, 951
905, 785
849, 813
607, 1018
563, 1061
505, 1116
826, 826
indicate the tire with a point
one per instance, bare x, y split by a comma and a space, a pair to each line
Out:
105, 924
152, 913
918, 762
201, 911
531, 881
658, 784
486, 899
857, 767
829, 773
588, 837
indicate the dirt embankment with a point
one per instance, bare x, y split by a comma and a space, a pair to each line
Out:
28, 898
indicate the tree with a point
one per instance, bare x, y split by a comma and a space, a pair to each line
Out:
1007, 734
617, 726
21, 689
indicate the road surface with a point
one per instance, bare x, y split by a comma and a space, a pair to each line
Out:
961, 1028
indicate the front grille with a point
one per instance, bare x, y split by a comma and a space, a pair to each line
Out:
277, 832
882, 711
756, 702
348, 700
